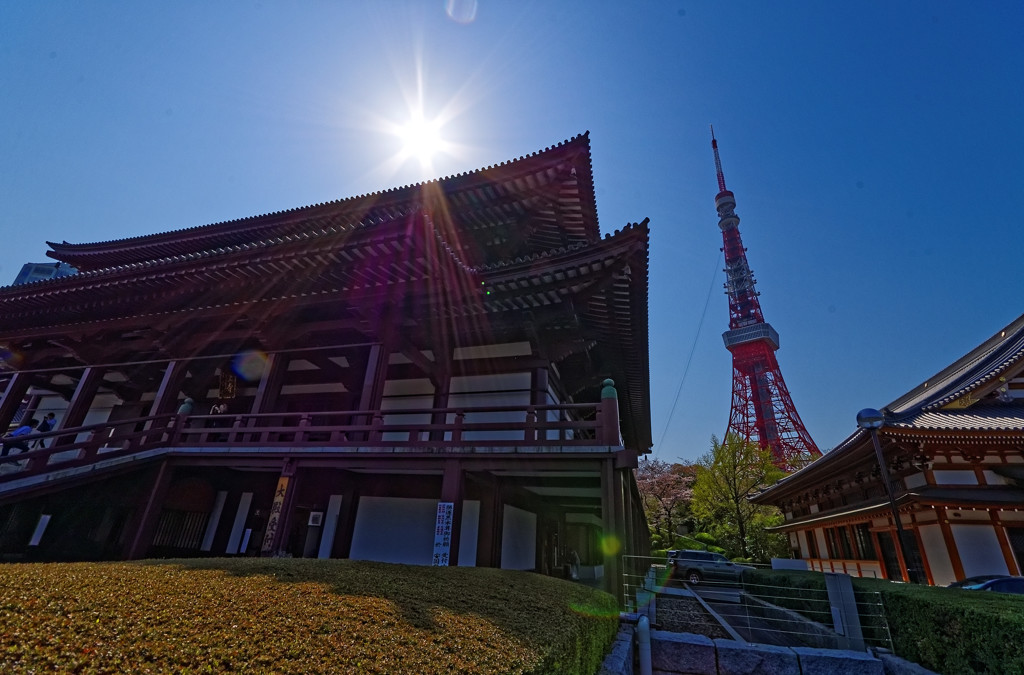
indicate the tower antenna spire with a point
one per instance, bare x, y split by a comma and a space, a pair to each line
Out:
762, 409
718, 161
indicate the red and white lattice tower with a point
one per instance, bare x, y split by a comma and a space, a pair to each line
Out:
762, 409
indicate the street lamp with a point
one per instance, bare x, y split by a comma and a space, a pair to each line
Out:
872, 420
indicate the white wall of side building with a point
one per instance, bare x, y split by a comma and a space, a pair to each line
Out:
937, 555
397, 530
802, 539
518, 539
979, 549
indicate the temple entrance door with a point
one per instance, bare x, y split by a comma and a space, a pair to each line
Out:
889, 557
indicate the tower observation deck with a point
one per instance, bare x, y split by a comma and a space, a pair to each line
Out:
762, 409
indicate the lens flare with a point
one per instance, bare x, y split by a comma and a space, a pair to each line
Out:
9, 357
249, 365
610, 544
460, 11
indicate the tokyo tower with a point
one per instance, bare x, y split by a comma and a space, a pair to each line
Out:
762, 409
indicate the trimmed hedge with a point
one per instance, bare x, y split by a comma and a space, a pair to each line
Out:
257, 615
950, 631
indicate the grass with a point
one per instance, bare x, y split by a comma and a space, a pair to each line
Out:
258, 615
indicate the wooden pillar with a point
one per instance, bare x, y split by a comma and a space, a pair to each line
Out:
373, 379
81, 401
492, 518
611, 508
895, 535
31, 407
346, 521
947, 537
145, 521
915, 532
1004, 543
280, 511
270, 384
452, 491
372, 392
166, 400
442, 389
16, 389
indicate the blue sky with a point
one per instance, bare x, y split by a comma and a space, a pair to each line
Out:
875, 150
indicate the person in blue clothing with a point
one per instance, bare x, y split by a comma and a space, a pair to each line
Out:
48, 423
11, 442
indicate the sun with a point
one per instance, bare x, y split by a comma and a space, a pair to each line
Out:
421, 138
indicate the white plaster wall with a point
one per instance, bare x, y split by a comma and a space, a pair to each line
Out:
944, 477
915, 480
870, 569
518, 539
937, 555
409, 403
503, 389
992, 478
802, 538
468, 533
979, 549
392, 529
819, 536
51, 404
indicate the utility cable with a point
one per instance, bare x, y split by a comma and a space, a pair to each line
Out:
693, 348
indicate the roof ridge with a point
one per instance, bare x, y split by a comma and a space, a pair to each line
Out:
353, 199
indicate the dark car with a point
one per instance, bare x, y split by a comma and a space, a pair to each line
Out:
697, 566
1013, 585
972, 581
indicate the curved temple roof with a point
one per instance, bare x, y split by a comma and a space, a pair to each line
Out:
526, 230
961, 401
557, 180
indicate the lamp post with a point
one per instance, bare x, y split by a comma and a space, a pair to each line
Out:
871, 420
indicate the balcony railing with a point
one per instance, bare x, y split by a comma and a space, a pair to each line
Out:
433, 429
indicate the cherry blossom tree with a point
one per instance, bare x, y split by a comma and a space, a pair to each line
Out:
666, 490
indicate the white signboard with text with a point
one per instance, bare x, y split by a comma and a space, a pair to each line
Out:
443, 533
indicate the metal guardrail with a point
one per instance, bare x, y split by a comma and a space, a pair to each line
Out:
758, 613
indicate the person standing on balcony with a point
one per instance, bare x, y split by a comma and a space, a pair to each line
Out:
220, 408
186, 407
11, 442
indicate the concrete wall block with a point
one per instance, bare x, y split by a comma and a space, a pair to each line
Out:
619, 660
895, 665
837, 662
739, 658
683, 653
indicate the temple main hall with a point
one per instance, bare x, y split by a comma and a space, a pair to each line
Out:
454, 372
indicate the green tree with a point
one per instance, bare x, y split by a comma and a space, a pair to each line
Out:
731, 472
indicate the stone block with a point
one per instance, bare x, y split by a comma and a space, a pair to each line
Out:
684, 653
894, 665
740, 658
619, 660
837, 662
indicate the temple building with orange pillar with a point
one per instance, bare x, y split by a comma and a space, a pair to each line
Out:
954, 449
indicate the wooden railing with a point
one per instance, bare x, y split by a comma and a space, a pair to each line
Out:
582, 424
857, 568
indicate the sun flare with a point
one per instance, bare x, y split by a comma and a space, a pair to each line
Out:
421, 139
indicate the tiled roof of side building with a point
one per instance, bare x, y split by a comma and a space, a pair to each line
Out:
968, 373
988, 417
